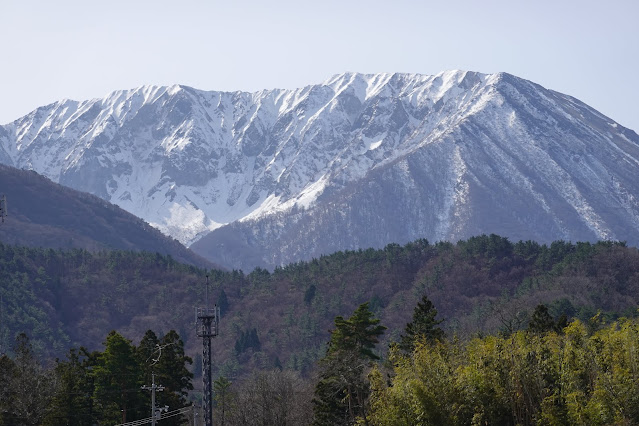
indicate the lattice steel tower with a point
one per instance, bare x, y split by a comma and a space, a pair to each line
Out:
207, 325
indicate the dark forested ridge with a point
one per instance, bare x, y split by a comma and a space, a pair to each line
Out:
281, 318
45, 214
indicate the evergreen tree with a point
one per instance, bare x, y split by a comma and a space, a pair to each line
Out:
342, 390
118, 379
7, 394
147, 355
541, 321
248, 340
423, 326
166, 359
147, 352
309, 294
223, 302
72, 402
172, 373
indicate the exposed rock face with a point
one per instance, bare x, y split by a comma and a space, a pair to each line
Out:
358, 161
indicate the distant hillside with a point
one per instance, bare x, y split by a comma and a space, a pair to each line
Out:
45, 214
480, 285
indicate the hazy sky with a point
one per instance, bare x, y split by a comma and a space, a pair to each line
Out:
52, 50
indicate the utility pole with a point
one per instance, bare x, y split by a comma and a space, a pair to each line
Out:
207, 322
156, 412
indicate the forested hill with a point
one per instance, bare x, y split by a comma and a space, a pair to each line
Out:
484, 284
45, 214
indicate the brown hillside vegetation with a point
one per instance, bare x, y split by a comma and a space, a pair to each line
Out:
45, 214
281, 318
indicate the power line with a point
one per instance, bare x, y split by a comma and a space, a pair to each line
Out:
157, 350
148, 420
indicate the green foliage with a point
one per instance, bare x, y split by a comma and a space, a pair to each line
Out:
309, 294
170, 368
94, 388
423, 327
248, 340
342, 391
491, 246
527, 378
72, 402
118, 378
65, 299
541, 321
223, 302
165, 359
7, 393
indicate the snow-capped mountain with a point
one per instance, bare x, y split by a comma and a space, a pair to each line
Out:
357, 161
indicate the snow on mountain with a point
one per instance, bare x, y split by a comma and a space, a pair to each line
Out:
360, 160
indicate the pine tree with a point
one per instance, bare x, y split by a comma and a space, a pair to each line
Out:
541, 321
223, 302
423, 326
8, 372
72, 402
248, 340
116, 374
172, 373
147, 352
166, 359
342, 390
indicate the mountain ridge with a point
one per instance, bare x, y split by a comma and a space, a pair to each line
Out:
49, 215
191, 162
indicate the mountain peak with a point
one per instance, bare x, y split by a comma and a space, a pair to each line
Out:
445, 148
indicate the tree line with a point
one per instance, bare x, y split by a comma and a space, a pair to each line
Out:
98, 387
274, 327
552, 371
65, 298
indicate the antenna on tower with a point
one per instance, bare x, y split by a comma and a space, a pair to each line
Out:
207, 291
207, 325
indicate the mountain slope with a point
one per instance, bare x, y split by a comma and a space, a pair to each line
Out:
518, 166
45, 214
358, 161
481, 285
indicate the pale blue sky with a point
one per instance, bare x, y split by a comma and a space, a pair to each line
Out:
52, 50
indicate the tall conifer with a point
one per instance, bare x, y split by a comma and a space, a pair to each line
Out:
341, 395
424, 325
